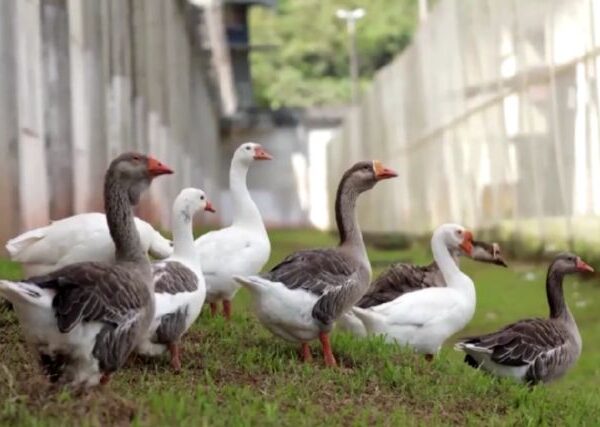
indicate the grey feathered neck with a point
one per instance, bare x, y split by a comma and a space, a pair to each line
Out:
120, 219
555, 294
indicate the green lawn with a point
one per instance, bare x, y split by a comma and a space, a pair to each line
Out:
237, 374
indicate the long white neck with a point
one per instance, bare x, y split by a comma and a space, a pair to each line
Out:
245, 212
181, 227
453, 277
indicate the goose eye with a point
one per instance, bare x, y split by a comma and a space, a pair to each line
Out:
248, 147
459, 232
201, 197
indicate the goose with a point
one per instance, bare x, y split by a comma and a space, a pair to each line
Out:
84, 319
425, 318
533, 350
243, 248
78, 238
402, 278
179, 288
301, 297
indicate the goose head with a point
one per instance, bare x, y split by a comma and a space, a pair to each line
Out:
488, 252
568, 263
135, 172
455, 237
250, 151
364, 175
189, 201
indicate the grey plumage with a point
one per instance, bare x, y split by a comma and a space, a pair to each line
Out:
334, 275
173, 277
172, 327
115, 297
544, 348
341, 275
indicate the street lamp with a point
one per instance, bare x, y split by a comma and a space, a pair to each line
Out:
351, 16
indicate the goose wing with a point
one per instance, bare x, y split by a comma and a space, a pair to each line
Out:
317, 270
328, 273
538, 343
398, 280
173, 277
94, 292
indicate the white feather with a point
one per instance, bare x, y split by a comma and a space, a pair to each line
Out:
78, 238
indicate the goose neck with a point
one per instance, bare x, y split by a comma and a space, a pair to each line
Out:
345, 216
182, 229
445, 261
554, 292
245, 212
120, 219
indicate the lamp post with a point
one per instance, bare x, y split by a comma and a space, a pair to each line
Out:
351, 16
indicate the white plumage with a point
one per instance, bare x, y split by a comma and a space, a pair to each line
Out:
78, 238
424, 319
243, 248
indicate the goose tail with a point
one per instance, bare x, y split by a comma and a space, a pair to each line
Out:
254, 284
18, 245
23, 293
160, 247
349, 322
369, 318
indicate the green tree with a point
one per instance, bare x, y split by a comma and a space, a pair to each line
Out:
309, 62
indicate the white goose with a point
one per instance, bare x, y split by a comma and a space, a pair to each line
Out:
179, 288
78, 238
243, 248
424, 319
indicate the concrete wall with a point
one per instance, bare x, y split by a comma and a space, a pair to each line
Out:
82, 81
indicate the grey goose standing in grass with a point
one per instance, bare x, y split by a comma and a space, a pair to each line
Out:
84, 319
300, 298
179, 288
401, 278
533, 350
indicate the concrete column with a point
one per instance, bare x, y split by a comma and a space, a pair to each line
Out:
57, 106
87, 100
9, 129
33, 176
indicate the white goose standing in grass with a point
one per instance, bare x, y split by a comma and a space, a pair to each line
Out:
78, 238
179, 288
85, 319
533, 350
401, 278
243, 248
424, 319
301, 297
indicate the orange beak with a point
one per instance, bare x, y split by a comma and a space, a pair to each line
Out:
157, 168
261, 154
209, 207
382, 172
467, 243
582, 266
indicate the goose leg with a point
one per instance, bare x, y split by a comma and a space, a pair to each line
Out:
227, 309
306, 354
175, 353
213, 309
105, 378
327, 354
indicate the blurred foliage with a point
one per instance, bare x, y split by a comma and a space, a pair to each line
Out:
309, 63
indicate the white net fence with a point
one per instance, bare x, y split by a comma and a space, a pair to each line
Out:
491, 119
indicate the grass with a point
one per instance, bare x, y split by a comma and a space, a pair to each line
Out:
237, 374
